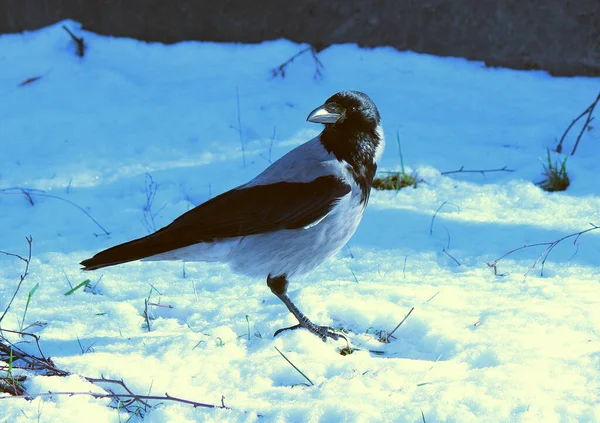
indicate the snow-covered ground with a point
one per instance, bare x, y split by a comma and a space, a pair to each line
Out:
477, 347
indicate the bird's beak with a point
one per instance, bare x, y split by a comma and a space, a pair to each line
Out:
327, 113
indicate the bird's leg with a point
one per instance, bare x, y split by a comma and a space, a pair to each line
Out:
279, 286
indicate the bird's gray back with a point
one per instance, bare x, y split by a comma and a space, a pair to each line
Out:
304, 163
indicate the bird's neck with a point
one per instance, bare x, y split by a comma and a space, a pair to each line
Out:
358, 150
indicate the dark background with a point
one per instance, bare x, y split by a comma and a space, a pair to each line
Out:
560, 36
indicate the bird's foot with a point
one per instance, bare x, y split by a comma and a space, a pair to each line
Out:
322, 332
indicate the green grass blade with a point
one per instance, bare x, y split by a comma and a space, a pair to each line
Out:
10, 364
294, 366
37, 285
400, 150
82, 284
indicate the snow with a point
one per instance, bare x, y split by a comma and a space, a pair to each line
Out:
477, 347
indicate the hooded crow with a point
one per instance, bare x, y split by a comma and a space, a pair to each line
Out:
289, 219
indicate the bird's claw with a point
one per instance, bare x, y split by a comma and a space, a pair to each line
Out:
322, 332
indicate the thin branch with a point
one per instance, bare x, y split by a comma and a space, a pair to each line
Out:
23, 276
47, 366
436, 213
98, 395
30, 80
402, 321
78, 41
239, 127
448, 254
588, 111
482, 171
17, 358
280, 70
544, 255
588, 120
433, 296
160, 305
147, 219
146, 315
36, 192
30, 362
294, 366
270, 147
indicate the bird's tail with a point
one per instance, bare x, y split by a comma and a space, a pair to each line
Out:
130, 251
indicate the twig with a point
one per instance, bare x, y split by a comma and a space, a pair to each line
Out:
137, 397
121, 383
482, 171
36, 192
19, 359
78, 41
12, 385
588, 112
294, 366
544, 255
160, 305
448, 254
433, 296
23, 276
30, 362
387, 337
239, 128
146, 316
436, 213
47, 366
270, 147
148, 216
280, 70
30, 80
88, 349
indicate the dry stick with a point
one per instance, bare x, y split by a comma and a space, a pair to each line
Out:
588, 120
29, 192
12, 385
30, 80
32, 362
146, 314
448, 254
436, 213
36, 363
280, 70
445, 250
147, 219
387, 339
544, 255
45, 364
160, 305
166, 397
433, 296
99, 381
294, 366
270, 147
587, 111
239, 128
23, 276
78, 41
318, 64
482, 171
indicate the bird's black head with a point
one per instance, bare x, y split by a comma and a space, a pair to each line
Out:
347, 110
352, 133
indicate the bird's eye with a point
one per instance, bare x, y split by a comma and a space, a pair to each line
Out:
353, 109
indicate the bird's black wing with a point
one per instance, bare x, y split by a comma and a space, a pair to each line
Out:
240, 212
